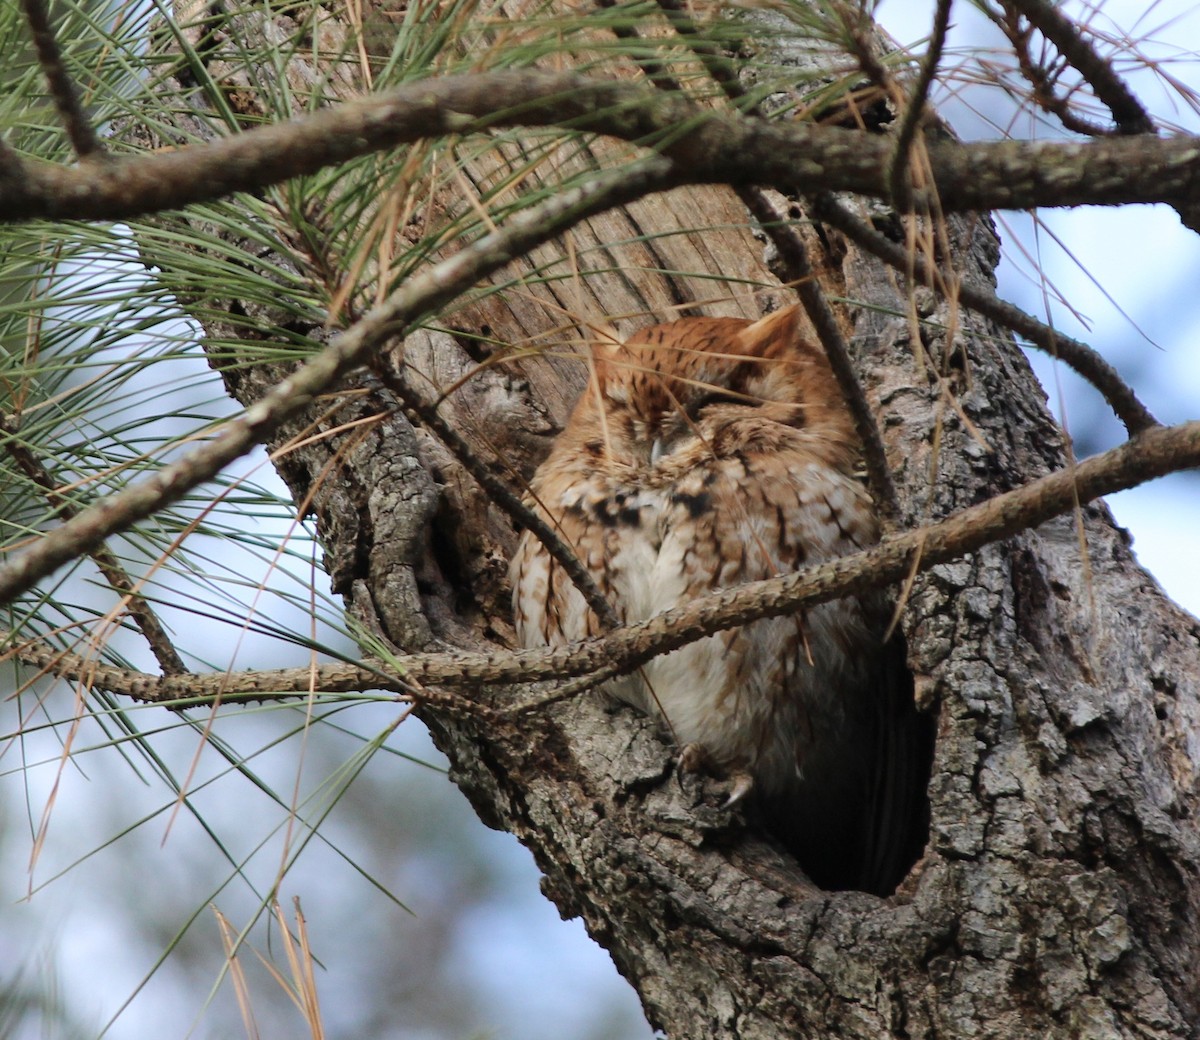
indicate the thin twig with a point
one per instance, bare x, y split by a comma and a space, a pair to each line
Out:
1154, 453
799, 272
1127, 111
716, 64
1079, 356
794, 256
105, 559
62, 86
416, 298
859, 28
179, 692
1042, 78
499, 493
914, 111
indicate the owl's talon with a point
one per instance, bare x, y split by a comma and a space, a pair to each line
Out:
693, 758
743, 784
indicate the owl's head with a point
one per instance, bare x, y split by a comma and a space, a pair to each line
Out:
694, 378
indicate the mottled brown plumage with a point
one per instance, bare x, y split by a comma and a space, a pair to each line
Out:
706, 453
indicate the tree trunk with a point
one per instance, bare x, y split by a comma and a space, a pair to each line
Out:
1058, 894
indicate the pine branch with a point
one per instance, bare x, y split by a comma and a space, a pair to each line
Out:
79, 128
1151, 454
707, 147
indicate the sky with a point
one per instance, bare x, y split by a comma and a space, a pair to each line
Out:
519, 971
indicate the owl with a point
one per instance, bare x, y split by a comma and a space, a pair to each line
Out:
704, 454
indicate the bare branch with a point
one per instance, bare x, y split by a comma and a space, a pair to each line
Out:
1079, 356
329, 682
716, 148
1151, 454
62, 87
795, 257
1043, 78
416, 298
1127, 110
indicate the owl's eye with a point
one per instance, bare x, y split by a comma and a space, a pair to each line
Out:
718, 397
678, 426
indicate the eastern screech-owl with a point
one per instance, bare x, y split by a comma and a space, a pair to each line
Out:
706, 453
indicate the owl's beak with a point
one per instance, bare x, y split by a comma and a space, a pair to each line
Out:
657, 450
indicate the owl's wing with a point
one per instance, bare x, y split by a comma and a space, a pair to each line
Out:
843, 754
896, 817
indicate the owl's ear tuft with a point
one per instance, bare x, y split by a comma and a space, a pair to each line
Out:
772, 335
602, 339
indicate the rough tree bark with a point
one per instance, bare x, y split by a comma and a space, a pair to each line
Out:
1058, 895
